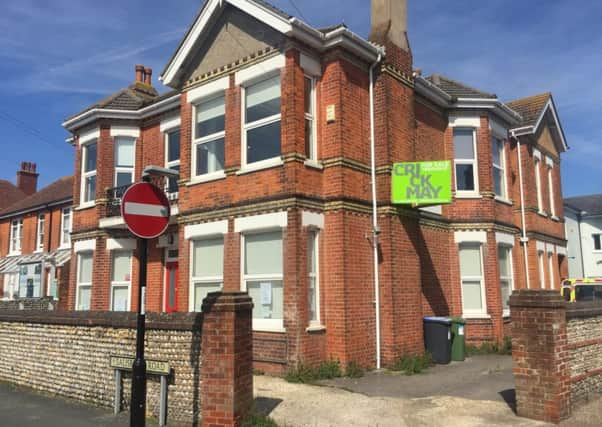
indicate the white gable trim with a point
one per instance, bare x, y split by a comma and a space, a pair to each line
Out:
259, 70
130, 131
84, 245
209, 89
470, 236
526, 130
170, 123
205, 229
121, 244
91, 135
261, 222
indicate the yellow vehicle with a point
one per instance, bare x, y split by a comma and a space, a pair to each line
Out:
581, 289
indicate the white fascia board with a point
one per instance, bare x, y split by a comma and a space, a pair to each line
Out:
261, 222
131, 131
89, 136
311, 65
498, 130
460, 121
504, 239
208, 89
495, 105
432, 92
353, 43
84, 245
170, 123
470, 236
256, 71
206, 229
263, 14
121, 244
312, 219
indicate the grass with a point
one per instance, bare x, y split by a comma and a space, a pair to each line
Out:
255, 420
327, 370
490, 348
413, 364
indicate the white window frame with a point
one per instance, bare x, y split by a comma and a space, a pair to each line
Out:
474, 162
246, 127
65, 243
542, 278
202, 279
121, 283
40, 231
501, 167
79, 284
473, 313
169, 164
314, 234
85, 175
270, 325
538, 185
510, 277
123, 169
551, 192
205, 140
16, 236
551, 269
311, 117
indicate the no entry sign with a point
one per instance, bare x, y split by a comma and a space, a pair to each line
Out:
145, 210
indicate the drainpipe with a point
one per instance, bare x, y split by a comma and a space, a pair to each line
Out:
375, 229
524, 239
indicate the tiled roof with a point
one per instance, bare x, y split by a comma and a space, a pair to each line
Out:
61, 189
273, 8
9, 194
530, 108
591, 205
457, 89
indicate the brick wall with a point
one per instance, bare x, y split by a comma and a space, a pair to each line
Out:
38, 304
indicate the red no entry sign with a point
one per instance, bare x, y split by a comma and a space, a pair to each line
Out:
145, 210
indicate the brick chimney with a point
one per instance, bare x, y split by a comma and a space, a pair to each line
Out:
139, 73
148, 72
390, 23
27, 178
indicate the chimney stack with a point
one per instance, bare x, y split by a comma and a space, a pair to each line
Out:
389, 23
139, 73
27, 178
148, 72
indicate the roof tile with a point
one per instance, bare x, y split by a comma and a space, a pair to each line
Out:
61, 189
457, 89
530, 108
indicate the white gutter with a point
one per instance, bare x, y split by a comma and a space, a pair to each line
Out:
375, 229
524, 239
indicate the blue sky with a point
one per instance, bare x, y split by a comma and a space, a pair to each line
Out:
58, 57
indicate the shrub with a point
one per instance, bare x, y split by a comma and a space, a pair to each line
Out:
413, 364
306, 374
490, 348
329, 369
255, 420
353, 370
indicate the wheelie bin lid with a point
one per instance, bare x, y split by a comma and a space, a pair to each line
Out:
435, 319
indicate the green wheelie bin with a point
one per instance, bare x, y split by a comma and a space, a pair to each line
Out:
458, 347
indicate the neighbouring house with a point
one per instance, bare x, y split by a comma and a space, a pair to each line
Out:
35, 241
285, 136
584, 234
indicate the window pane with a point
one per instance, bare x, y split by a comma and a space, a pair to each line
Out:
311, 253
85, 268
267, 298
498, 182
470, 260
210, 117
124, 178
464, 177
201, 290
504, 261
172, 183
311, 295
308, 97
308, 139
263, 142
210, 157
120, 298
471, 295
496, 149
83, 300
463, 144
505, 285
208, 258
90, 157
263, 253
121, 267
597, 242
263, 99
124, 152
90, 189
173, 146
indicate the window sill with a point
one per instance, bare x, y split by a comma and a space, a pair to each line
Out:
504, 201
542, 213
64, 247
468, 196
13, 254
38, 251
84, 206
313, 164
477, 316
263, 164
315, 328
214, 176
269, 329
555, 218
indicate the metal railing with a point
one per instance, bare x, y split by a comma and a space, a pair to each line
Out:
115, 194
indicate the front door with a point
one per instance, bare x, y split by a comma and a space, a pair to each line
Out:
171, 287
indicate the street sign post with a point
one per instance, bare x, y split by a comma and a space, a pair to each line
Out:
145, 210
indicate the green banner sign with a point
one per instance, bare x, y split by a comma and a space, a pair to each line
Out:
421, 183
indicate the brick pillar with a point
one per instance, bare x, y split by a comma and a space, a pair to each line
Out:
227, 355
540, 355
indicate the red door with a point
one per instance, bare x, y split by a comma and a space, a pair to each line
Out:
171, 287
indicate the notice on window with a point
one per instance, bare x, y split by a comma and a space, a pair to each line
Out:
266, 293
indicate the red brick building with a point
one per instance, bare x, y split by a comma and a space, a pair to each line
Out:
35, 238
285, 136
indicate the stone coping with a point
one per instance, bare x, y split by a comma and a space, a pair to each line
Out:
536, 298
583, 309
111, 319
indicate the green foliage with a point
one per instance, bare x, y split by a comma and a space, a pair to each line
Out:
413, 364
255, 420
302, 374
353, 370
490, 348
329, 369
326, 370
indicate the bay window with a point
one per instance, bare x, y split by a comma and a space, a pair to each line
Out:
313, 285
465, 155
506, 282
88, 181
121, 280
499, 168
209, 135
40, 232
16, 230
262, 277
124, 161
261, 112
207, 269
172, 157
310, 118
471, 272
84, 281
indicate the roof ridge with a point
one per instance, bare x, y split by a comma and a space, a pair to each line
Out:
547, 94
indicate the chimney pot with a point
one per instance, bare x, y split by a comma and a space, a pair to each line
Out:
27, 178
389, 22
139, 72
148, 72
